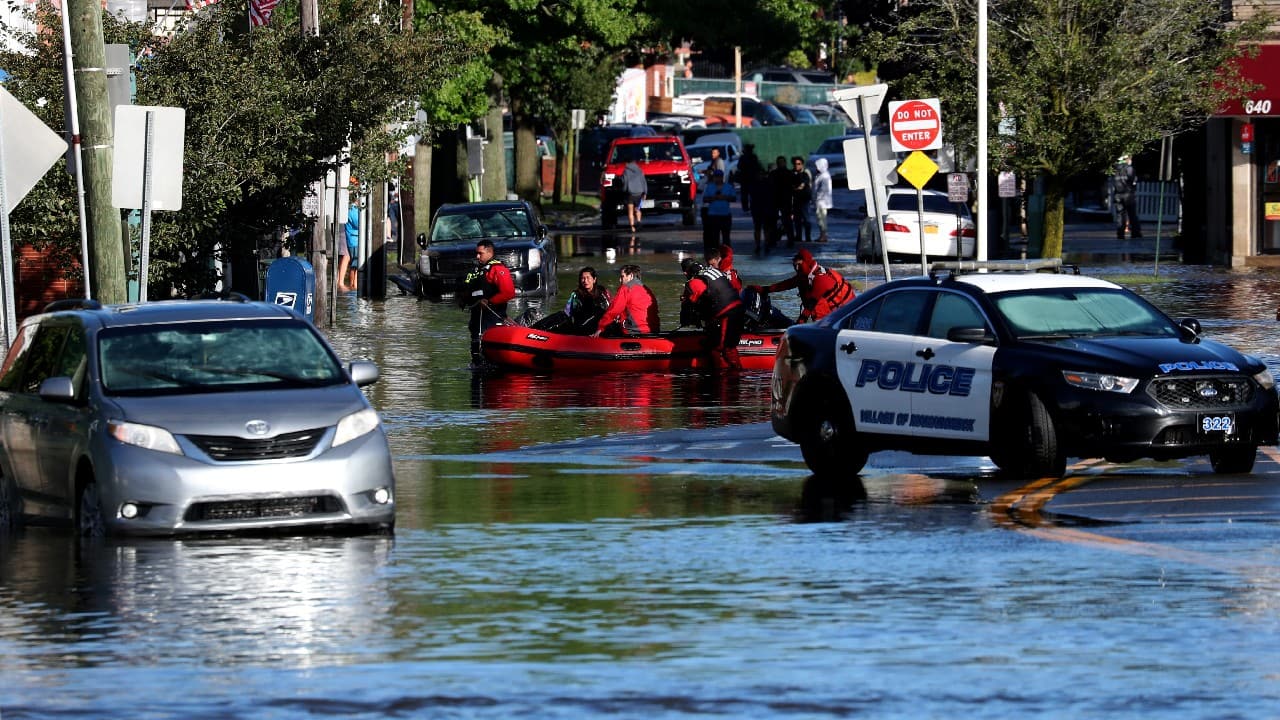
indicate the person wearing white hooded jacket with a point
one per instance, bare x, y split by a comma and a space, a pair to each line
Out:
822, 196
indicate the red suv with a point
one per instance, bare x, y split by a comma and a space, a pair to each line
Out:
672, 187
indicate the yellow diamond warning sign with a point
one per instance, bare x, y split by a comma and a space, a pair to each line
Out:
918, 169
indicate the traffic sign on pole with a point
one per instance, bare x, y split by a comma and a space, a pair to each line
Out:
915, 125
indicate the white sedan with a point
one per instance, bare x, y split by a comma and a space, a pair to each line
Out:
944, 224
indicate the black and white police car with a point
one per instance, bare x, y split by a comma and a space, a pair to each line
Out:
1024, 366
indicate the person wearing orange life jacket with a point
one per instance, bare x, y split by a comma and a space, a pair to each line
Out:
487, 290
821, 289
710, 298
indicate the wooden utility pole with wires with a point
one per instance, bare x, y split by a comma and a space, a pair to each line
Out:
309, 11
89, 60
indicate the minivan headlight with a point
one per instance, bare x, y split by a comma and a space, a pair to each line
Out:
355, 425
144, 436
1100, 381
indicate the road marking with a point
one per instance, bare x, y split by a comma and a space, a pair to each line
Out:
1022, 510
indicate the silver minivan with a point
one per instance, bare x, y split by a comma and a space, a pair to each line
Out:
187, 417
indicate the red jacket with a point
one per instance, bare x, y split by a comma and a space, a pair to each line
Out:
498, 276
821, 290
637, 308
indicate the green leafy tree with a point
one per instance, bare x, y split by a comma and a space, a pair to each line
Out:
1081, 80
266, 111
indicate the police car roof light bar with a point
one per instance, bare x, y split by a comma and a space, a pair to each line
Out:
957, 267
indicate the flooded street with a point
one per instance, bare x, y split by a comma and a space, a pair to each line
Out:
642, 546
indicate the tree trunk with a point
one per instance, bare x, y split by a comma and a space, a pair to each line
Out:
528, 165
421, 189
495, 154
1054, 196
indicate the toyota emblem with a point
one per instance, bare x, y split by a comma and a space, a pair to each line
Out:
257, 427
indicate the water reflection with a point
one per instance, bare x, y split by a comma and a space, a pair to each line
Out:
189, 601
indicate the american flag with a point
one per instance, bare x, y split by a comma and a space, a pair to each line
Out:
260, 11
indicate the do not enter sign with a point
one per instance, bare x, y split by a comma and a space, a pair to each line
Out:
915, 125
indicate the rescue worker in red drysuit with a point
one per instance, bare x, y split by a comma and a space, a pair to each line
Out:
634, 309
722, 260
821, 289
488, 288
712, 298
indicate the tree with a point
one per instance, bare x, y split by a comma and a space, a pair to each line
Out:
1081, 80
265, 110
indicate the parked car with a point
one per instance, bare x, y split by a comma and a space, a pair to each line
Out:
593, 143
833, 150
667, 169
947, 227
784, 74
1028, 368
187, 416
722, 106
798, 114
700, 156
520, 240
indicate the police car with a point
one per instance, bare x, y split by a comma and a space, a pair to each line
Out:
1025, 366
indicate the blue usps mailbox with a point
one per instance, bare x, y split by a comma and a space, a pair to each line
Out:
292, 282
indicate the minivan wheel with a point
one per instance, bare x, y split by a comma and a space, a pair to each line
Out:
89, 521
8, 505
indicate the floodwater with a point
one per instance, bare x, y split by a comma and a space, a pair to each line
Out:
633, 546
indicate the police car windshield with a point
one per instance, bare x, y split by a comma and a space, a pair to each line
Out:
1081, 312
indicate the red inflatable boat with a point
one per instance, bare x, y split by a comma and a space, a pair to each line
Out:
517, 346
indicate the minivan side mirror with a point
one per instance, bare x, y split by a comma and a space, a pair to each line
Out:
58, 389
363, 372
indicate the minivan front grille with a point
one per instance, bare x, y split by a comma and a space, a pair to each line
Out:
227, 448
263, 508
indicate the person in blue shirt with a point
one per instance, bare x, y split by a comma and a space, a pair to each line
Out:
349, 249
717, 198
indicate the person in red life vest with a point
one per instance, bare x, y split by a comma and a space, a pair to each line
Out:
716, 304
821, 289
722, 260
634, 310
487, 290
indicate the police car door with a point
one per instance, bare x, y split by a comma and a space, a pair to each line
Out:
872, 352
952, 383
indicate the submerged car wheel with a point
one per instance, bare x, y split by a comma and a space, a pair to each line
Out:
89, 522
608, 215
830, 444
1034, 451
1233, 460
8, 505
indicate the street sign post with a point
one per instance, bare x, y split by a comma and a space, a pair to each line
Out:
915, 125
862, 103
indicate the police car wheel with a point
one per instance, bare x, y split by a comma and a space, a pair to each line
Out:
1036, 453
830, 445
1233, 460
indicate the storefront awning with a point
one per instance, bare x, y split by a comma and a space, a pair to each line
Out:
1262, 71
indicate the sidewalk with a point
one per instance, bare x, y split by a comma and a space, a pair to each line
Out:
1099, 239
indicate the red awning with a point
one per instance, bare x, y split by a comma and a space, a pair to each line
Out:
1263, 71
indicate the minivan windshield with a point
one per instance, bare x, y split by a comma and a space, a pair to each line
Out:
214, 356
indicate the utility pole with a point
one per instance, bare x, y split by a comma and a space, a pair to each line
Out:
319, 251
89, 60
